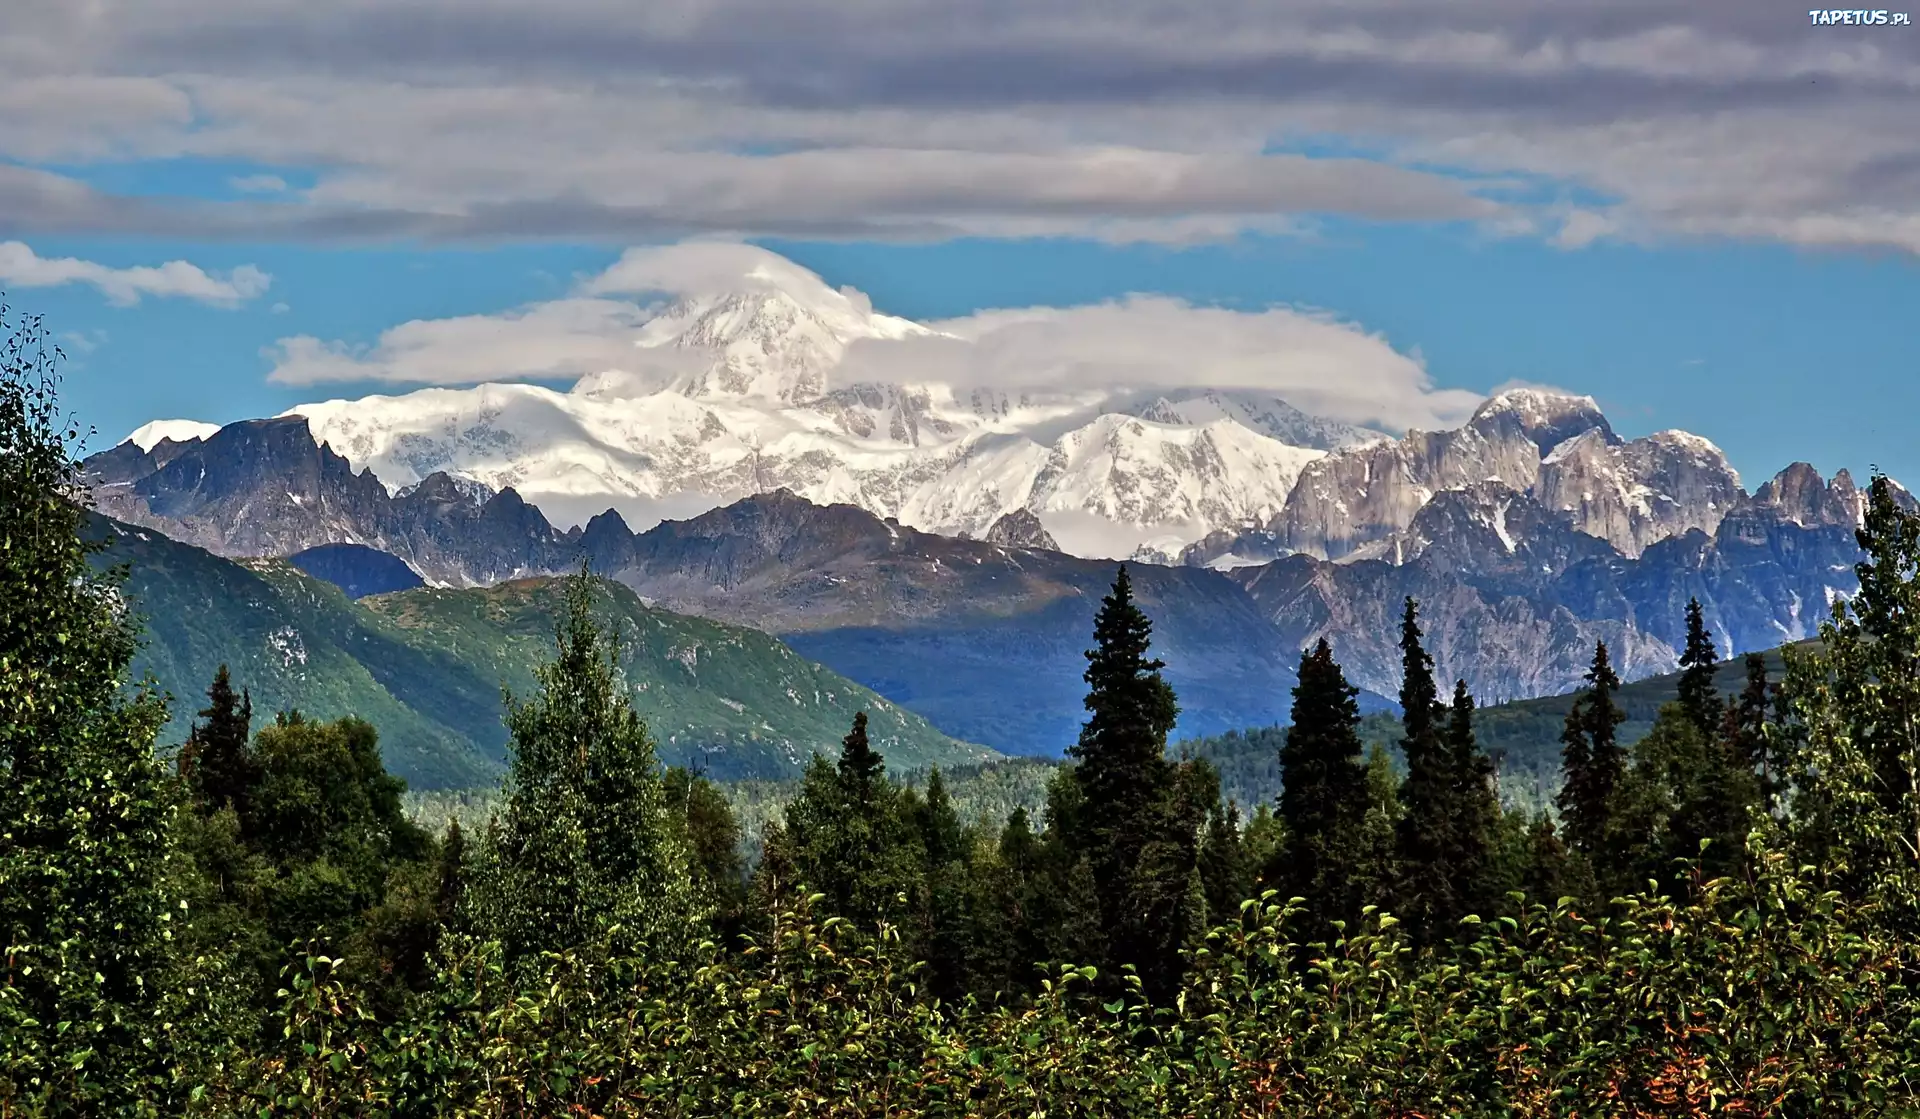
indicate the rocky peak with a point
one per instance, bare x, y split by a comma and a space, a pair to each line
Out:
1545, 417
1636, 493
1799, 494
1021, 529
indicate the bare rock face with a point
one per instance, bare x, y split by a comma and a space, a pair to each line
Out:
1802, 496
1352, 497
265, 488
1021, 529
1633, 494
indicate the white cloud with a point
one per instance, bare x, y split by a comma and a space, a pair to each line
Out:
21, 267
1153, 343
1139, 344
561, 339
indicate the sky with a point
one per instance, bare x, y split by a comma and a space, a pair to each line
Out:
1706, 216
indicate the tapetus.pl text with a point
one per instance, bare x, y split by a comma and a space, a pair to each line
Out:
1858, 17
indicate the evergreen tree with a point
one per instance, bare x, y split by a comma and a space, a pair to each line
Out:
1376, 866
862, 770
1697, 695
712, 838
1262, 840
853, 836
943, 933
1226, 877
453, 875
1433, 859
1476, 811
940, 831
1854, 716
1323, 796
1136, 829
1593, 764
217, 759
85, 893
583, 843
1745, 727
1548, 875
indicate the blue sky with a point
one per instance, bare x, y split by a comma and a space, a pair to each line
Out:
1706, 218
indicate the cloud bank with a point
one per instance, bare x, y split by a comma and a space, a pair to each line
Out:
21, 267
1142, 343
1154, 119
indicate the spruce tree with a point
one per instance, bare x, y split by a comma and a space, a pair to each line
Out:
1476, 808
85, 896
452, 885
1225, 876
854, 837
217, 759
1134, 825
1697, 660
1323, 795
1429, 850
1745, 727
940, 831
862, 771
582, 843
1593, 764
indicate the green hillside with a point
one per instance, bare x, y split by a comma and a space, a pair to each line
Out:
427, 666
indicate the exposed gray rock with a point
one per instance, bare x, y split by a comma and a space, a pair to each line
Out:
1021, 529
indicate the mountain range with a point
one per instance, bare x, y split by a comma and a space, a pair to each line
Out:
948, 547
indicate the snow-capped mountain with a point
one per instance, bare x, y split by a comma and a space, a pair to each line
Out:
742, 393
764, 387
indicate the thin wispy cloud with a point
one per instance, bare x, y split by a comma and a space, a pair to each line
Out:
21, 267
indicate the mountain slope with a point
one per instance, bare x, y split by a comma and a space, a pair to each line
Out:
984, 639
426, 666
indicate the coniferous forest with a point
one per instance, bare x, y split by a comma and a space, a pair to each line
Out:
1718, 917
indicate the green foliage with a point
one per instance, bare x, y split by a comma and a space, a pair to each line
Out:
1137, 822
1851, 740
1698, 698
86, 894
1593, 763
1323, 798
853, 836
1449, 810
583, 846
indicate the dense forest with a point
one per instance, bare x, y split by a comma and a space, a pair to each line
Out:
1716, 916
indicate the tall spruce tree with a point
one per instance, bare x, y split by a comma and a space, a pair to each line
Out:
1592, 762
217, 758
85, 894
862, 770
1428, 847
1476, 810
1225, 876
583, 842
1745, 727
853, 836
1697, 660
1135, 830
1323, 794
